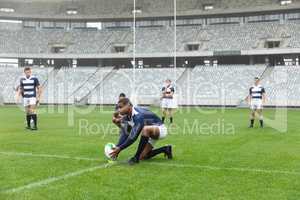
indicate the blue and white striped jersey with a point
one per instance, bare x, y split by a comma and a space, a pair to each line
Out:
140, 117
256, 92
28, 86
168, 90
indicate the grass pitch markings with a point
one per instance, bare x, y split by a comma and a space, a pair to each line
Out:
204, 167
55, 179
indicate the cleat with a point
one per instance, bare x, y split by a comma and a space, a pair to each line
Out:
168, 152
251, 126
34, 129
133, 161
28, 128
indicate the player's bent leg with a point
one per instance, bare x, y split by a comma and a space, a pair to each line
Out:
147, 132
167, 150
148, 148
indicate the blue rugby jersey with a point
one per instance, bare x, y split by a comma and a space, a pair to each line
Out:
140, 117
28, 86
256, 92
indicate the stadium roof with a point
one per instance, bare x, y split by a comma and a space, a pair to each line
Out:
111, 9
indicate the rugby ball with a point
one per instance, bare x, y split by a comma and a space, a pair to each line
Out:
108, 149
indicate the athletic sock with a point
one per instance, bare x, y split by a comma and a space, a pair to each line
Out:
142, 144
28, 118
251, 122
34, 118
171, 120
261, 123
155, 152
163, 119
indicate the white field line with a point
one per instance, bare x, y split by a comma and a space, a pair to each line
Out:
238, 169
47, 156
205, 167
80, 172
54, 179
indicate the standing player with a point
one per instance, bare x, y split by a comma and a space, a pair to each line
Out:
149, 125
256, 100
168, 103
31, 91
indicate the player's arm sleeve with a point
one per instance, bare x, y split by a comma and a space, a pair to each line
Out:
134, 133
37, 82
21, 85
263, 90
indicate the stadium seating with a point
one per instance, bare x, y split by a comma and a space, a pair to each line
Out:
283, 86
156, 39
204, 85
144, 89
218, 85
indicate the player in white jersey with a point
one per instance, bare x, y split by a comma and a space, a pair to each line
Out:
256, 100
30, 90
168, 103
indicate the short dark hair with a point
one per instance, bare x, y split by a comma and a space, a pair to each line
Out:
27, 69
125, 101
122, 95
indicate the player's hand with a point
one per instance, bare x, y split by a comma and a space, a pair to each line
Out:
115, 152
116, 114
17, 99
116, 120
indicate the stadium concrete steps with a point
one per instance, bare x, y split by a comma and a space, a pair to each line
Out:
85, 98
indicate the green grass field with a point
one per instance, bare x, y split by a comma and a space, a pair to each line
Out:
63, 161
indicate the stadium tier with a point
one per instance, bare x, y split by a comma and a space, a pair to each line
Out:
229, 37
203, 85
123, 9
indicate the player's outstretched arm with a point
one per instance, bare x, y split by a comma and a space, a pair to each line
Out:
135, 132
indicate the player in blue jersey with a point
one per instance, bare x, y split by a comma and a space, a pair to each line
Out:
120, 121
151, 128
31, 91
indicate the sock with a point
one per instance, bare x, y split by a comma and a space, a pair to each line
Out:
142, 144
252, 122
28, 118
155, 152
163, 119
171, 120
261, 122
34, 118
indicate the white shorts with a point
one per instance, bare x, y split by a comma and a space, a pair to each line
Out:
256, 104
168, 103
163, 132
29, 101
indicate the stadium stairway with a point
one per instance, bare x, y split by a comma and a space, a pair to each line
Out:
94, 82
